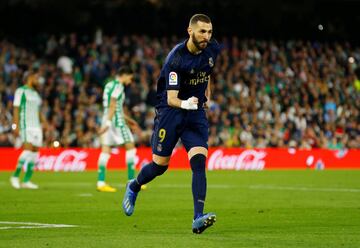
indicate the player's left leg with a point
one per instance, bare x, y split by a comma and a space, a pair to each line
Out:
197, 156
201, 222
195, 138
129, 144
35, 138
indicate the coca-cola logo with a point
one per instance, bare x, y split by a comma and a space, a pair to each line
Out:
246, 160
68, 160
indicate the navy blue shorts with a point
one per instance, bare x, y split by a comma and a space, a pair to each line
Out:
191, 126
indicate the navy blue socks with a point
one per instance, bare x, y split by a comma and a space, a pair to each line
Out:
147, 174
198, 163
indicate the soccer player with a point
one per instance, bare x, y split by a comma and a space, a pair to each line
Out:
183, 89
115, 131
27, 123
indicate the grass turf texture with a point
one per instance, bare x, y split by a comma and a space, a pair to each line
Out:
254, 209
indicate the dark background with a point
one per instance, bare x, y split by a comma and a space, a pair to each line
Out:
24, 19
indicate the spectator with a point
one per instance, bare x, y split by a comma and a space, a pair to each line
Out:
264, 93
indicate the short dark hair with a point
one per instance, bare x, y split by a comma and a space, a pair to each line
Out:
199, 17
125, 70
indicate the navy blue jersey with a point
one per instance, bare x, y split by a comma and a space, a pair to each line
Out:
186, 72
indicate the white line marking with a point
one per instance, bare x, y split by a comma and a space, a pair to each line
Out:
272, 187
31, 225
85, 195
211, 186
122, 185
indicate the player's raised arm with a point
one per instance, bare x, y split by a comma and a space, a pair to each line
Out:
174, 101
172, 86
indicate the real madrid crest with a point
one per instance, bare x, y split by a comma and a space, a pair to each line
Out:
211, 62
159, 148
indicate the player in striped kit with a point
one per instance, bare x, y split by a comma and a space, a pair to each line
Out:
115, 129
26, 123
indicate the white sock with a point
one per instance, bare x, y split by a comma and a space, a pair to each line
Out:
26, 155
23, 160
130, 155
102, 163
34, 157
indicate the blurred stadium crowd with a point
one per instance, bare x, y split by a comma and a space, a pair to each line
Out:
264, 93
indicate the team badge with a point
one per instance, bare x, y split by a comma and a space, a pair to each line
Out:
192, 71
159, 148
173, 79
211, 62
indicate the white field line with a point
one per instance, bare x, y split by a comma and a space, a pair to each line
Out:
31, 225
122, 185
85, 195
273, 187
211, 186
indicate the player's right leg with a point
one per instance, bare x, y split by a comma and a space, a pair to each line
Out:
24, 158
32, 140
102, 186
107, 141
163, 142
27, 158
146, 175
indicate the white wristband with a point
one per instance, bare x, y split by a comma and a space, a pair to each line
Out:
185, 105
188, 104
108, 123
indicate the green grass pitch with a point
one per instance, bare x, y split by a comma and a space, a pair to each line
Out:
254, 209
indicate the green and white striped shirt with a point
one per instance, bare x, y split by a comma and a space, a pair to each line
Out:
28, 101
114, 89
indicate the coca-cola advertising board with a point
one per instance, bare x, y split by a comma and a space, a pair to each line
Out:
79, 159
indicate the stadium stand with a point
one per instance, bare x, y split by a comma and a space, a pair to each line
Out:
266, 93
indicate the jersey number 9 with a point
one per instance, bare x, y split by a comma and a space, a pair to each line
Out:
162, 134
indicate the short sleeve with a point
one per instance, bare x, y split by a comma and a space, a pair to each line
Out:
118, 90
172, 77
17, 98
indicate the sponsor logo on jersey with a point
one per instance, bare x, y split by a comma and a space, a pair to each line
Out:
173, 78
200, 78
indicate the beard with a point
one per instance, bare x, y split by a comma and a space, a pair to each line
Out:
200, 45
